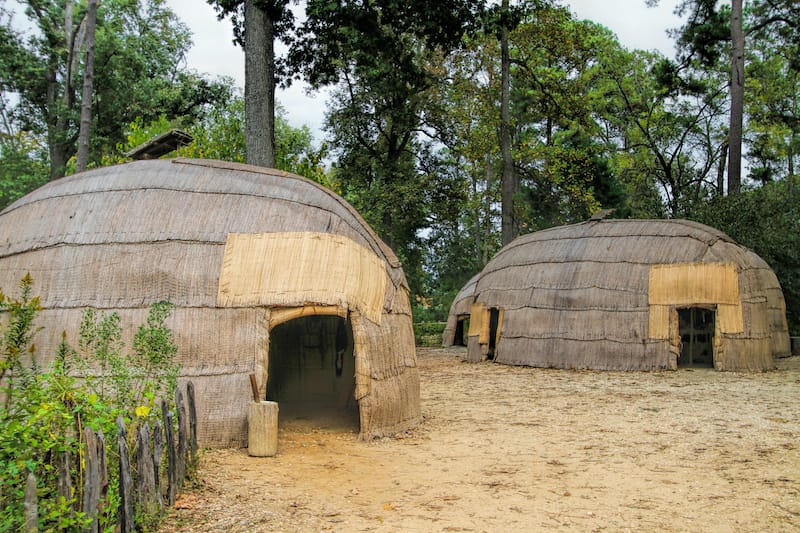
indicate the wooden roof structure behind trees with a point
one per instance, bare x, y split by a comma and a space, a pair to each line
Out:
254, 260
160, 145
624, 295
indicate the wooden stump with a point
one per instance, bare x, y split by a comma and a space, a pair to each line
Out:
262, 429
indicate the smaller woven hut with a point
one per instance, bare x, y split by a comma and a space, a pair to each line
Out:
623, 295
270, 274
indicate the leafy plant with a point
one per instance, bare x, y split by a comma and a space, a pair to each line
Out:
153, 356
18, 334
429, 333
42, 420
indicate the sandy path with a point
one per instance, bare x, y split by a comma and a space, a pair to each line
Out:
511, 448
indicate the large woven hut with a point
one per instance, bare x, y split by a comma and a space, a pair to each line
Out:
270, 274
623, 295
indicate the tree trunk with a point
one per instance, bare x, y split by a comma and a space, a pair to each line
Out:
56, 128
88, 86
737, 99
487, 212
259, 85
68, 36
723, 154
508, 185
58, 107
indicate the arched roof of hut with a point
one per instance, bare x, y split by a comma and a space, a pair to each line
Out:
607, 255
622, 241
173, 202
222, 197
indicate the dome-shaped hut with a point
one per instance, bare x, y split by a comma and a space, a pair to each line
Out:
624, 295
270, 274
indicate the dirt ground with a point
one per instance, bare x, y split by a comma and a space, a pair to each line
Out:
519, 449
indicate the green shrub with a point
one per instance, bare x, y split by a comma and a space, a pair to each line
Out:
44, 412
429, 333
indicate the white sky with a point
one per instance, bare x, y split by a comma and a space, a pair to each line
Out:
636, 26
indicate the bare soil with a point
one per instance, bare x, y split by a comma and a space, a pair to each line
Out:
512, 448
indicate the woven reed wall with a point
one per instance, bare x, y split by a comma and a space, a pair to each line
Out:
605, 294
387, 378
121, 238
281, 269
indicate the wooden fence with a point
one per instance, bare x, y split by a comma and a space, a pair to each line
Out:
147, 493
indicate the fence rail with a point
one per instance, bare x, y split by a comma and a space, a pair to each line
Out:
141, 488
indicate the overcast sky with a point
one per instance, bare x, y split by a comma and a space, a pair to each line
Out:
636, 26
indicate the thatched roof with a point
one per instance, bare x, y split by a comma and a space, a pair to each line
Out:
238, 249
601, 294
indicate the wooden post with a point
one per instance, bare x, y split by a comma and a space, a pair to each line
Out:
91, 479
146, 485
126, 509
262, 429
31, 505
158, 452
254, 388
102, 470
183, 437
64, 478
172, 481
192, 427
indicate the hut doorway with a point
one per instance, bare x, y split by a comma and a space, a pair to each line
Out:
311, 372
696, 330
494, 322
462, 326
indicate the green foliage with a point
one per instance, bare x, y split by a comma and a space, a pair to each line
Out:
18, 334
380, 40
35, 429
766, 220
774, 119
377, 53
140, 46
279, 12
45, 412
140, 133
428, 333
22, 167
132, 383
219, 134
707, 31
153, 356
